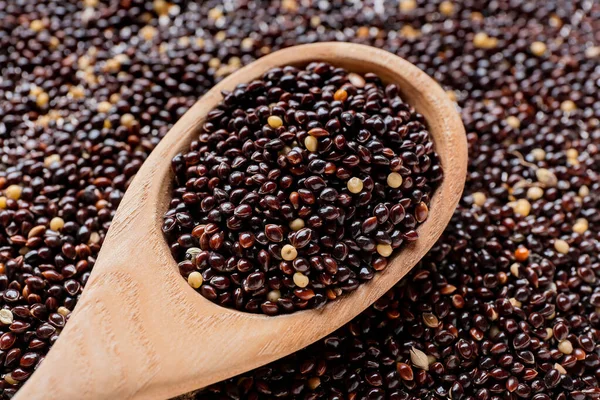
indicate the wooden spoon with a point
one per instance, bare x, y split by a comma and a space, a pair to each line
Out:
141, 332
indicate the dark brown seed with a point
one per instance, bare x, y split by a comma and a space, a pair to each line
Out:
274, 233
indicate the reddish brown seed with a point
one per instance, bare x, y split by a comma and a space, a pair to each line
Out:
405, 371
421, 212
274, 233
246, 240
318, 132
301, 238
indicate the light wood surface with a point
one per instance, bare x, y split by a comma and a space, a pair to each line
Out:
140, 332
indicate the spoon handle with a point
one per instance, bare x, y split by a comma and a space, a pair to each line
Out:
129, 338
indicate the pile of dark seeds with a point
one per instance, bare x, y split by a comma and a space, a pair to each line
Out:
504, 307
298, 188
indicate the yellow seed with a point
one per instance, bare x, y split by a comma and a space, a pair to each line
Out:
311, 143
592, 52
127, 120
54, 42
565, 347
274, 295
572, 153
446, 8
340, 95
95, 238
104, 107
148, 32
10, 380
580, 226
195, 279
514, 270
289, 252
114, 98
515, 302
57, 223
90, 3
568, 106
297, 224
64, 311
535, 193
107, 124
481, 40
394, 180
479, 198
6, 316
220, 36
112, 65
538, 154
408, 31
235, 62
583, 191
161, 7
560, 369
549, 333
362, 32
51, 159
275, 121
546, 177
36, 91
555, 21
315, 21
561, 246
384, 250
300, 279
214, 62
407, 5
13, 192
2, 202
77, 92
42, 99
538, 48
247, 43
513, 121
314, 382
36, 25
522, 207
355, 185
215, 13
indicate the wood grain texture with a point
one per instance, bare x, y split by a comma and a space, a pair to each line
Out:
139, 330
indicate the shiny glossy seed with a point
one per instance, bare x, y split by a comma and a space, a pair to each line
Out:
340, 95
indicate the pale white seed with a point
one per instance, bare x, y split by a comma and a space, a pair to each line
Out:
419, 359
300, 280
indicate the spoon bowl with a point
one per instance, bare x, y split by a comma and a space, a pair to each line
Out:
140, 331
